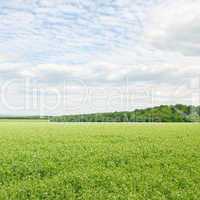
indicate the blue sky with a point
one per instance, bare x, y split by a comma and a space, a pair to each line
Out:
99, 48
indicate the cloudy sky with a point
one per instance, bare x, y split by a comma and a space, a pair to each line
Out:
73, 56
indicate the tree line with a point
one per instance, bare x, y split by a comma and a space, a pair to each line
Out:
163, 113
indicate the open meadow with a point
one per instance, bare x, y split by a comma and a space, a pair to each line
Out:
40, 160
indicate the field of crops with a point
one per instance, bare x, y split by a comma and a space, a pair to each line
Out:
110, 161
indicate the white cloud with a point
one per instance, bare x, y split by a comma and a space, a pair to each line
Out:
174, 26
102, 45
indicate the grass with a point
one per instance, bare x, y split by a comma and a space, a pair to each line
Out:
117, 161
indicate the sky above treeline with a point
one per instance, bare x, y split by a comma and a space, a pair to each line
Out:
73, 56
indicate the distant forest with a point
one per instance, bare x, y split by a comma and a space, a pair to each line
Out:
163, 113
24, 117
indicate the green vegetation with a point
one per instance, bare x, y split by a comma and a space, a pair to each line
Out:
164, 113
115, 161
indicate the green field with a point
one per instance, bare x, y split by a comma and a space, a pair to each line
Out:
116, 161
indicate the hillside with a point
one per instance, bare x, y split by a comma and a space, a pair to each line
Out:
163, 113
